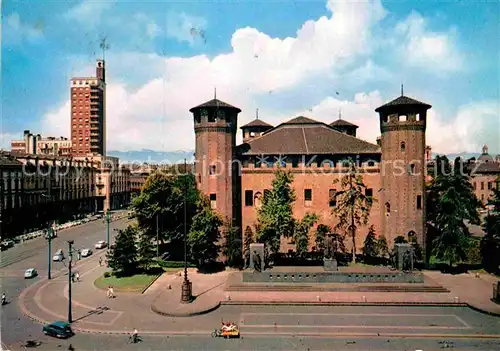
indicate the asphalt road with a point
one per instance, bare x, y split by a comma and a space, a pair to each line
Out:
33, 254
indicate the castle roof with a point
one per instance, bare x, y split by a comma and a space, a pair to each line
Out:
402, 101
257, 123
487, 167
305, 136
215, 103
342, 123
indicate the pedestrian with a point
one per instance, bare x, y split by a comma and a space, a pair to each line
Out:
108, 292
100, 261
79, 255
72, 277
77, 276
111, 292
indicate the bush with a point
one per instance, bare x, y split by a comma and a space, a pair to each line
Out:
174, 264
107, 274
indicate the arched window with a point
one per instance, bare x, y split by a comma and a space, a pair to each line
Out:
412, 236
403, 146
257, 200
387, 208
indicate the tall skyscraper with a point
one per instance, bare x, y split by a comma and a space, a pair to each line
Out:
88, 113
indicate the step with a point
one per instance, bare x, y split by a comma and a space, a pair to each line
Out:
375, 288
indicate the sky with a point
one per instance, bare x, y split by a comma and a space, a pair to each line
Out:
314, 58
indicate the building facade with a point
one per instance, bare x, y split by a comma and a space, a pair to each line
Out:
485, 175
38, 145
88, 113
236, 178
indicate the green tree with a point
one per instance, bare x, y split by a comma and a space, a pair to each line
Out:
382, 248
370, 249
452, 202
204, 235
352, 204
247, 241
301, 233
490, 243
160, 206
233, 246
145, 251
122, 256
275, 218
400, 239
321, 232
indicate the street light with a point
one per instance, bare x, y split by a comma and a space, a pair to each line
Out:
187, 287
49, 236
70, 253
108, 219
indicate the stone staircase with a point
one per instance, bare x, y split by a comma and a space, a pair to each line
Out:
410, 288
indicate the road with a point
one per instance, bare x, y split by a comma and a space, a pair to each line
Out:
33, 254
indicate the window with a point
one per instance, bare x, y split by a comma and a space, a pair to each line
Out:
212, 169
212, 116
221, 114
308, 194
331, 197
474, 185
411, 169
387, 209
419, 202
257, 162
403, 146
252, 134
203, 113
489, 185
197, 117
371, 163
482, 197
213, 201
369, 192
248, 197
295, 162
482, 185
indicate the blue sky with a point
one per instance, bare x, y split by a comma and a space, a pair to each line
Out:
286, 58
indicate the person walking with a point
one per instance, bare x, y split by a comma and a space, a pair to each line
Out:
111, 292
100, 261
77, 276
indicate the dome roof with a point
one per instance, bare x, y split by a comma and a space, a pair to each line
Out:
485, 158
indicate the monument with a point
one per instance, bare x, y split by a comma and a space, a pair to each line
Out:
329, 260
257, 257
404, 257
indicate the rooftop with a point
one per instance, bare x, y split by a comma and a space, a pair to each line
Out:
402, 101
215, 103
257, 123
342, 123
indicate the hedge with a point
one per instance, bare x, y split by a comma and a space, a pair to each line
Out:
174, 264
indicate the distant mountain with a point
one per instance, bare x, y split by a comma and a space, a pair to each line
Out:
152, 156
169, 157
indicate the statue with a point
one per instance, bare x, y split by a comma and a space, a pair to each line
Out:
258, 262
328, 251
329, 261
408, 260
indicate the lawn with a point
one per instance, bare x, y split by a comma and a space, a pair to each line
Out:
135, 283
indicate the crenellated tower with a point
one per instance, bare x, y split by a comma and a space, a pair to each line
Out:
217, 176
402, 193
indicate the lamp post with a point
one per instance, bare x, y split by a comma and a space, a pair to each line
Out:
108, 219
49, 236
187, 288
70, 253
157, 237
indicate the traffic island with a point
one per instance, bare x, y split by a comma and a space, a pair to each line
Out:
137, 283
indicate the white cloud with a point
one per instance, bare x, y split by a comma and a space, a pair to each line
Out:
434, 51
20, 30
88, 13
186, 28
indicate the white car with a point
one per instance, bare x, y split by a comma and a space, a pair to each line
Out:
86, 252
59, 256
30, 273
101, 244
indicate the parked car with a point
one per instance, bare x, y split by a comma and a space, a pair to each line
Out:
58, 329
59, 256
86, 252
101, 244
30, 273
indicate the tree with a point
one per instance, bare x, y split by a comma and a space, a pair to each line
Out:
161, 206
122, 257
370, 249
145, 252
400, 239
204, 235
321, 232
382, 248
352, 204
490, 243
275, 218
301, 233
232, 246
452, 202
247, 241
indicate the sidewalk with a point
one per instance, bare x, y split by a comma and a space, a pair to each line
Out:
476, 292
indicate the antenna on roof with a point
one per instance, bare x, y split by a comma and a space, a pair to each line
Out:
215, 92
340, 113
401, 89
257, 114
104, 47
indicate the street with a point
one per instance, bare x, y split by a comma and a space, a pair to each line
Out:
262, 327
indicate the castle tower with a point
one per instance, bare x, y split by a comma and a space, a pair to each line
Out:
402, 193
215, 126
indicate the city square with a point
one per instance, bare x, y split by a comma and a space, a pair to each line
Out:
322, 176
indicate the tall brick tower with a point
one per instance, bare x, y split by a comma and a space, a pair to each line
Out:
402, 193
215, 125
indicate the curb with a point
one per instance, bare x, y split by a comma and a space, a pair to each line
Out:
152, 282
480, 310
129, 292
338, 303
185, 314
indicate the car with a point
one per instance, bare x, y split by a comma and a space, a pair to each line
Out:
30, 273
86, 252
59, 256
101, 244
58, 329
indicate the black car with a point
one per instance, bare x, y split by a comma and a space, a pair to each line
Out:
58, 329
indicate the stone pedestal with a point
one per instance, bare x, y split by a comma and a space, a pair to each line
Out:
403, 250
330, 265
256, 249
187, 291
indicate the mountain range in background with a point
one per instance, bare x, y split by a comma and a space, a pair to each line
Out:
172, 157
